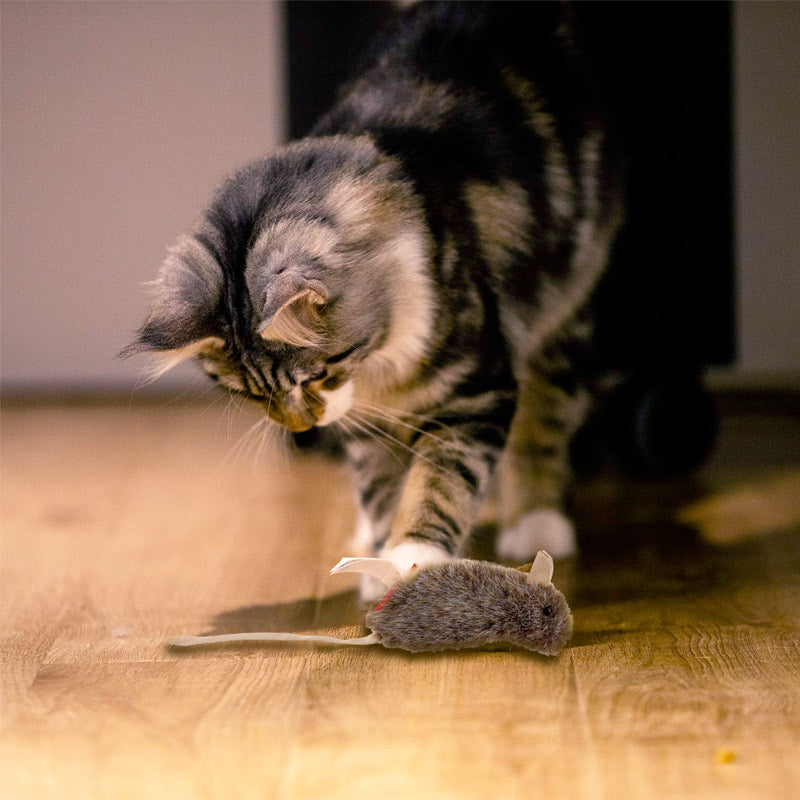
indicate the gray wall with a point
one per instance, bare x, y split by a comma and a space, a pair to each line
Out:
767, 58
118, 119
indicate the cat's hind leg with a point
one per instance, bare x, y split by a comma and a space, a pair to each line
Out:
534, 470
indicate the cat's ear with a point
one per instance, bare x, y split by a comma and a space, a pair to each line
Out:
185, 302
292, 310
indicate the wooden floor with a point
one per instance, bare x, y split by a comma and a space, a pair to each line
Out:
126, 524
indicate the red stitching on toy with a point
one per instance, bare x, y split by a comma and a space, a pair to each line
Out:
384, 599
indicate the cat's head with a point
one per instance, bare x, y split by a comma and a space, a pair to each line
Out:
306, 273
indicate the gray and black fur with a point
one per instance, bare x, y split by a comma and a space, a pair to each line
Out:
417, 271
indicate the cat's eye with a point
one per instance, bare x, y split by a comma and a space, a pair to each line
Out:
335, 359
317, 377
547, 611
334, 382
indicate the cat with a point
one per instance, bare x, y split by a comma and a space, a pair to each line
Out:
417, 273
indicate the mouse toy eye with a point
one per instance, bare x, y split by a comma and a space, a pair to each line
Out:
547, 611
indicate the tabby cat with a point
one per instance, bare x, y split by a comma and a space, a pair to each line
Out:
416, 272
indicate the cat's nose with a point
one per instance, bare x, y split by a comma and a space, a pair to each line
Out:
296, 420
298, 414
297, 424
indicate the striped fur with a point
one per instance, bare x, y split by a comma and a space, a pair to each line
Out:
417, 271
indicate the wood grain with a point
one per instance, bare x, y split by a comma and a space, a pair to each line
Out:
125, 525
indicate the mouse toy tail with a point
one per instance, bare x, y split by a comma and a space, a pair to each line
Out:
194, 641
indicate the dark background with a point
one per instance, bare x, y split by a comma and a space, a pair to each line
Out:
664, 71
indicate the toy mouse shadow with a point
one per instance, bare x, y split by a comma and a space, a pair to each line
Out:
336, 610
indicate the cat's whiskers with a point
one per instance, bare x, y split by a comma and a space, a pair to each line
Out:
279, 436
233, 403
213, 390
217, 396
399, 443
349, 424
240, 447
269, 399
257, 437
277, 440
256, 446
401, 414
393, 416
343, 343
271, 438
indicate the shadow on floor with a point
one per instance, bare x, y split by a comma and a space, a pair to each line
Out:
307, 614
632, 551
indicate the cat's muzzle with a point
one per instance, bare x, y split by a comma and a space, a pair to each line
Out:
298, 410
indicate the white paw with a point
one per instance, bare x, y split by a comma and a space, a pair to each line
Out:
405, 557
543, 529
408, 555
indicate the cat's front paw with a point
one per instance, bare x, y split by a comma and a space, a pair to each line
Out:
543, 529
405, 557
409, 555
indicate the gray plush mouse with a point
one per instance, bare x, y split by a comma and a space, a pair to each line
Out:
448, 606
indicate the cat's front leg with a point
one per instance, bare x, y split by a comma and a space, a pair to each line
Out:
383, 464
453, 459
379, 466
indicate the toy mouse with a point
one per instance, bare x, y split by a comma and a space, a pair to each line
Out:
448, 606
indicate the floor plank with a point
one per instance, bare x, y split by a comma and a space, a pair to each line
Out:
123, 525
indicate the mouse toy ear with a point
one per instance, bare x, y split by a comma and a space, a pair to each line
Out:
542, 569
381, 568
